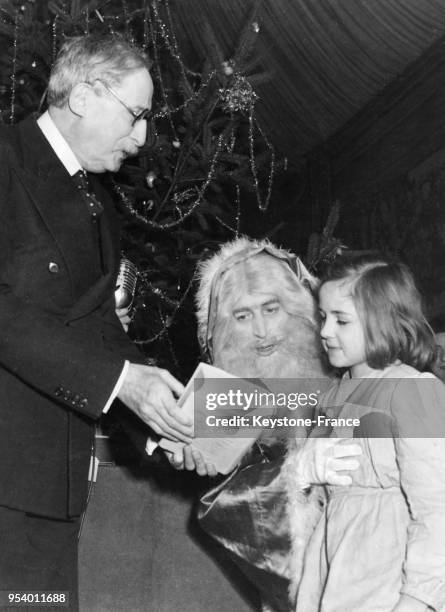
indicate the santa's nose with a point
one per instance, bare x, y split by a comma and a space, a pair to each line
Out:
259, 327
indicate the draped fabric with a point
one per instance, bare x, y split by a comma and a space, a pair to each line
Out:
247, 514
326, 58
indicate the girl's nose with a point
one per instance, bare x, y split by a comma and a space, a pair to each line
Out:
325, 329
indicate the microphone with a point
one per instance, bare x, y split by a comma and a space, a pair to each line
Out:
125, 284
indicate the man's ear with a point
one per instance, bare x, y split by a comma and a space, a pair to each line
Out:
79, 98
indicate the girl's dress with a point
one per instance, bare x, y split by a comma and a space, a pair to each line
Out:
385, 534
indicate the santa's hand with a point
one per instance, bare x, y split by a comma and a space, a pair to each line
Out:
176, 459
324, 461
189, 458
193, 460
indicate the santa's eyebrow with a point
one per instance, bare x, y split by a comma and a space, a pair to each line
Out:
241, 309
248, 308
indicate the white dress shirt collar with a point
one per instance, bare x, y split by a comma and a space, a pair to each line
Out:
58, 144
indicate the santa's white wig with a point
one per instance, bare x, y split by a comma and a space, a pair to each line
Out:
211, 273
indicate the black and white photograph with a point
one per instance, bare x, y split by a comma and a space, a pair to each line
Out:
222, 305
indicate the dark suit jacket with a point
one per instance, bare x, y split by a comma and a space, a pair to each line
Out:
62, 347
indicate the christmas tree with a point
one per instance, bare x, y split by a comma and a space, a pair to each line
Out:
205, 163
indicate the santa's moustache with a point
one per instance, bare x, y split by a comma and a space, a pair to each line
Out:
298, 352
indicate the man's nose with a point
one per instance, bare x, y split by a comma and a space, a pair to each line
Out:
139, 133
259, 326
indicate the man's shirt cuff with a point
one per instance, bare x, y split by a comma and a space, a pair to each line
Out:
151, 446
117, 387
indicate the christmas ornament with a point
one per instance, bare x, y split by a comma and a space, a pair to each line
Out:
239, 97
227, 68
150, 178
148, 205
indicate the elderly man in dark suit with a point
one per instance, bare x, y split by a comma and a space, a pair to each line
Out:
64, 356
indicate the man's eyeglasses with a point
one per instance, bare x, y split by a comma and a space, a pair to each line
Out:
146, 113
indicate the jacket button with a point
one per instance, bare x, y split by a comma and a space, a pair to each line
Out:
53, 267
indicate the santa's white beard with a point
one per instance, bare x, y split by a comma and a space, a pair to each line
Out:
298, 352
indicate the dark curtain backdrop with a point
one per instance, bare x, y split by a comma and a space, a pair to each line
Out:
355, 98
325, 58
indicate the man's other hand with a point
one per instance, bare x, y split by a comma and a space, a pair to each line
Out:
149, 392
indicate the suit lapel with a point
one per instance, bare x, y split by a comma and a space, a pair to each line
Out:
109, 226
66, 217
109, 230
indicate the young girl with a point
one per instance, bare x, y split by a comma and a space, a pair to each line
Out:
380, 545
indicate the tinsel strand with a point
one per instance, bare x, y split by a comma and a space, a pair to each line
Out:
54, 39
180, 163
171, 317
183, 215
171, 111
226, 225
237, 217
87, 20
14, 68
262, 205
172, 31
156, 291
170, 46
238, 211
160, 79
145, 29
175, 48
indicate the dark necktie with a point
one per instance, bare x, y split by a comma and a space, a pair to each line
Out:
94, 207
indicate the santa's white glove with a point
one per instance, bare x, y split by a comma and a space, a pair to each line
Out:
324, 461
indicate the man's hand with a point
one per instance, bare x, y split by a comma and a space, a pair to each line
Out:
190, 458
124, 315
148, 392
322, 461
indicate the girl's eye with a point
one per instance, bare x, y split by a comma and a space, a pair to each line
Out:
340, 322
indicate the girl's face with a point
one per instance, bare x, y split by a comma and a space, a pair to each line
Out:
342, 332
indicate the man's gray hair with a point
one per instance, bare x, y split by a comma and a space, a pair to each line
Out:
85, 59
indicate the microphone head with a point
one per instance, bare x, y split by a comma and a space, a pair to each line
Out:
125, 283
